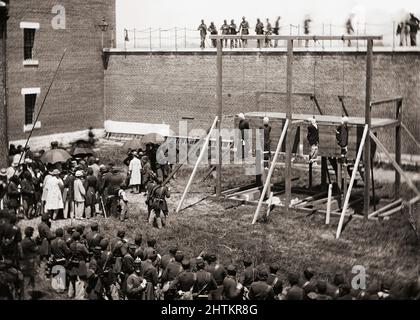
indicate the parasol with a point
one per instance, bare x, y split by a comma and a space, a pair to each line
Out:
134, 144
55, 156
79, 151
154, 138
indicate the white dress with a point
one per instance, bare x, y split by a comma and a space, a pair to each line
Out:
135, 169
54, 197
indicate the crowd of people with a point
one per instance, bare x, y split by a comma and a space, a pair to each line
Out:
117, 268
407, 29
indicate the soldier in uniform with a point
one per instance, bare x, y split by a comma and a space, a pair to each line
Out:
268, 32
233, 31
60, 252
205, 282
349, 27
313, 140
28, 261
11, 237
150, 274
93, 238
249, 275
159, 206
148, 252
260, 290
259, 30
45, 236
244, 31
77, 267
225, 31
294, 291
267, 141
184, 283
307, 28
169, 257
136, 284
276, 31
213, 30
203, 33
232, 288
274, 281
173, 269
342, 137
219, 273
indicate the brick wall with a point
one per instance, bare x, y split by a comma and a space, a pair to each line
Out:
164, 87
76, 98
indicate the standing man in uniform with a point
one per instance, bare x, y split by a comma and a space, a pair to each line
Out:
28, 261
225, 31
414, 28
219, 273
232, 288
276, 31
213, 31
233, 31
342, 136
205, 282
349, 27
203, 33
259, 30
244, 31
268, 32
307, 28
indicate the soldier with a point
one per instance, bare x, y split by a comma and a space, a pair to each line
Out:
45, 236
69, 191
213, 31
414, 24
127, 266
93, 238
173, 269
322, 291
260, 290
151, 243
243, 126
267, 141
219, 273
276, 31
294, 292
249, 275
309, 284
184, 283
77, 267
342, 137
307, 28
349, 27
11, 237
118, 248
150, 274
123, 204
204, 283
244, 31
259, 30
268, 32
138, 240
67, 237
313, 140
60, 252
274, 281
169, 257
225, 31
136, 284
232, 288
28, 261
203, 33
159, 206
233, 31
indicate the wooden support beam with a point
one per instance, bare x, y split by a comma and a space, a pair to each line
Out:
388, 206
311, 198
353, 177
328, 215
368, 122
398, 116
219, 92
200, 157
289, 90
385, 101
390, 212
270, 201
395, 164
270, 172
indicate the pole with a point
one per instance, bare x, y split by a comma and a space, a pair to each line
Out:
176, 39
398, 149
353, 177
185, 37
323, 33
357, 33
288, 171
200, 157
150, 38
327, 217
160, 38
4, 140
219, 92
366, 156
393, 35
270, 172
330, 35
134, 37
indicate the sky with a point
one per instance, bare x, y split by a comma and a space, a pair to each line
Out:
143, 14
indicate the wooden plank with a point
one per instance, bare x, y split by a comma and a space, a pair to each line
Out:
368, 122
200, 157
293, 37
390, 212
270, 172
353, 177
289, 90
328, 215
410, 135
270, 201
388, 206
395, 164
219, 92
386, 100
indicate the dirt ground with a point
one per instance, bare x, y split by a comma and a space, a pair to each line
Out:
293, 240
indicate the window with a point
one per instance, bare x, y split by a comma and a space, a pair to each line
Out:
30, 100
28, 39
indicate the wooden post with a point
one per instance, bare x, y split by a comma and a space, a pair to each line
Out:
324, 171
270, 172
270, 202
398, 150
289, 90
200, 157
368, 120
219, 85
353, 177
327, 217
310, 175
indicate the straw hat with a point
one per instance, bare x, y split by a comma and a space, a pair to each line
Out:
79, 173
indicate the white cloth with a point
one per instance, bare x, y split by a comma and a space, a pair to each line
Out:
79, 191
135, 169
54, 197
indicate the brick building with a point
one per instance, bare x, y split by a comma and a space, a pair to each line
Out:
38, 32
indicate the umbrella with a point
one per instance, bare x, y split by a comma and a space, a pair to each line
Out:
134, 144
55, 156
78, 151
154, 138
